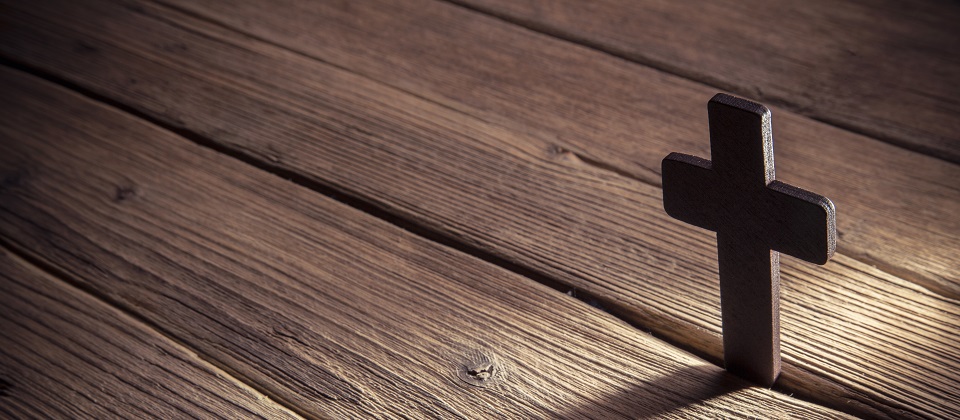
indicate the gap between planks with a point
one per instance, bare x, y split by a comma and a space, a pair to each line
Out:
559, 149
540, 22
587, 160
357, 201
408, 224
886, 251
757, 400
23, 257
930, 275
660, 66
349, 199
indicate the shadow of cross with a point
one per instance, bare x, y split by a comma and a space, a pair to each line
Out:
755, 218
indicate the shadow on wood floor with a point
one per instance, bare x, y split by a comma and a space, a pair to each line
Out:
666, 395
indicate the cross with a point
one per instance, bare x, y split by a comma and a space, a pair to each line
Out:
755, 218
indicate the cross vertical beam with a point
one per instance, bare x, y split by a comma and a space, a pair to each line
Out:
750, 307
755, 218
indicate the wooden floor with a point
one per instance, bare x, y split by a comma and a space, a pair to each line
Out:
452, 209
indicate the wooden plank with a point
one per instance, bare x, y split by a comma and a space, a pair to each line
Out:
886, 68
332, 311
509, 193
65, 354
606, 111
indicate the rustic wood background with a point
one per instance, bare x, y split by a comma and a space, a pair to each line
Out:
453, 209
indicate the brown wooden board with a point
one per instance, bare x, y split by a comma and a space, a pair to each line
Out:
326, 309
886, 68
898, 210
513, 194
65, 354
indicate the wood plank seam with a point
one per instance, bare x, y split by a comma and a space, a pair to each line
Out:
24, 255
702, 78
842, 247
205, 19
239, 167
349, 198
284, 174
355, 201
589, 161
861, 256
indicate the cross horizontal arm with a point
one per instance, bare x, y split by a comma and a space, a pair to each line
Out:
800, 223
787, 219
690, 190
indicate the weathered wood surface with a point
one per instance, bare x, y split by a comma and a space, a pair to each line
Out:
473, 180
617, 114
886, 68
517, 194
65, 354
329, 310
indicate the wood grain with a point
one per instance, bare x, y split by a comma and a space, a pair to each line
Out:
330, 310
618, 115
886, 68
510, 193
65, 354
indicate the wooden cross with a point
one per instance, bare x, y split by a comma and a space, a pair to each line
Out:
755, 218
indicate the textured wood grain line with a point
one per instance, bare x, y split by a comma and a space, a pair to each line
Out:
509, 194
620, 115
330, 309
886, 68
65, 354
898, 210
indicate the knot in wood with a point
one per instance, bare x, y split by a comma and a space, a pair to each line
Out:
479, 370
561, 154
124, 192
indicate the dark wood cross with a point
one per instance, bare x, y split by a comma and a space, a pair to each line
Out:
755, 218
